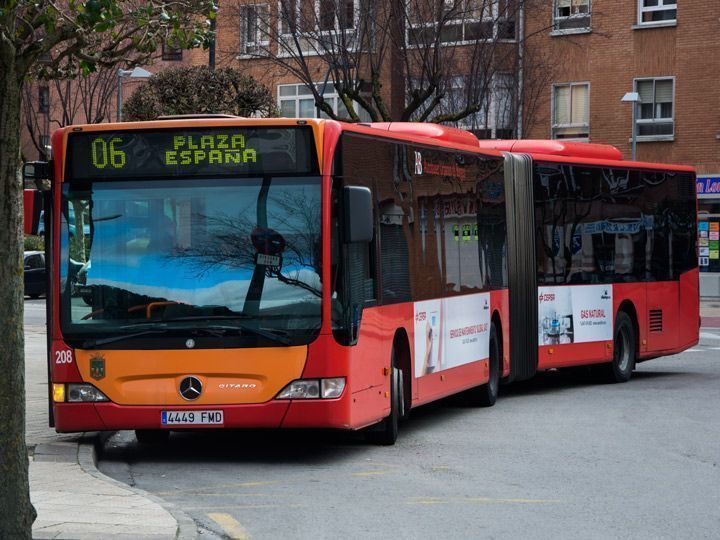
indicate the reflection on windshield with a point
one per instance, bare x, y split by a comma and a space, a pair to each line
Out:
189, 249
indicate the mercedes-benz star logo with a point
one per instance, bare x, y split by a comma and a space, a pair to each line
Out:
190, 388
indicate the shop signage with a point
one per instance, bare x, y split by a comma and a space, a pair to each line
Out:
707, 185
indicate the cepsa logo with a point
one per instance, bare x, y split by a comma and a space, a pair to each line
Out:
547, 297
420, 316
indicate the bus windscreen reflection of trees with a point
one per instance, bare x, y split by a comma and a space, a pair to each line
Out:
251, 249
233, 242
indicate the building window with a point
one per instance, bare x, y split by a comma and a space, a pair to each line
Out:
170, 53
44, 99
297, 101
657, 11
493, 120
254, 38
336, 14
569, 15
571, 111
461, 21
655, 110
317, 16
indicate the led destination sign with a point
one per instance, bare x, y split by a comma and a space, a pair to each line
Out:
228, 151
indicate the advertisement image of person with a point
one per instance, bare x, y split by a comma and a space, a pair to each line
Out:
432, 361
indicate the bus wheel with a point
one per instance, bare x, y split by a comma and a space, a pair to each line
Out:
385, 433
152, 436
623, 363
486, 394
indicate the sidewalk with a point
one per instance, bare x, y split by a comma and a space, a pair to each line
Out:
72, 498
710, 312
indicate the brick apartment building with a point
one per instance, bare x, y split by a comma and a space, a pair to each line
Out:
564, 80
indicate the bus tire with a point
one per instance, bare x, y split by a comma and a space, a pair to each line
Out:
385, 433
623, 363
486, 394
152, 436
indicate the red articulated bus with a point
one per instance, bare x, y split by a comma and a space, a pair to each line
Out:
283, 273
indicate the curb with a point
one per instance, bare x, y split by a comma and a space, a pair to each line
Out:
87, 459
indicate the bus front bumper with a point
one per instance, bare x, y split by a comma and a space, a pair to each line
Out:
326, 413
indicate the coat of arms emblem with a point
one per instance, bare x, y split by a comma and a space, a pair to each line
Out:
97, 367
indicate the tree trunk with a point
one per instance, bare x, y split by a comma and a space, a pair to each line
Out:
16, 511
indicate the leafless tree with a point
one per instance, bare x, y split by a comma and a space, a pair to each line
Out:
451, 61
48, 105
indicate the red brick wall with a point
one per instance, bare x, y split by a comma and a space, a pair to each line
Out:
613, 54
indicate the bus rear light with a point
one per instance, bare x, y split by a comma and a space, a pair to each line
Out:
84, 392
313, 389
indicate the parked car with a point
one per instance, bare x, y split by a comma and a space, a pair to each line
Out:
71, 215
35, 276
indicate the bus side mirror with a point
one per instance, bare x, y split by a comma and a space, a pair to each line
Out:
32, 206
358, 214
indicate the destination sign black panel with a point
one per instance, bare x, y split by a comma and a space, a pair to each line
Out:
230, 151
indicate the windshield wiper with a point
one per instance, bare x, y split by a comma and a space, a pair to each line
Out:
151, 328
91, 343
272, 335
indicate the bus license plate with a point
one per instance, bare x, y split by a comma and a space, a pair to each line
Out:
192, 418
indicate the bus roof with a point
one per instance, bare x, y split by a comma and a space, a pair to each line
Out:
575, 152
546, 150
555, 148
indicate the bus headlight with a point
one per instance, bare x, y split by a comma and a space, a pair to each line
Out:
77, 393
313, 389
332, 388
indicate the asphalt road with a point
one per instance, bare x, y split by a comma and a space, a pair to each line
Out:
557, 457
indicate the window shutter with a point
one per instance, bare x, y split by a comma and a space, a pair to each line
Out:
580, 104
563, 3
645, 89
663, 91
562, 105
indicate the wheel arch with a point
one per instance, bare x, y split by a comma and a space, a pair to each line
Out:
403, 360
496, 319
627, 307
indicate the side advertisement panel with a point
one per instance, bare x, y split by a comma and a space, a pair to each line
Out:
575, 314
451, 332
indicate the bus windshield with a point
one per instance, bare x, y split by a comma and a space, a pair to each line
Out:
182, 253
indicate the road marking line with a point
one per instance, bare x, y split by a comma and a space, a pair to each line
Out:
242, 507
368, 473
233, 485
225, 494
476, 500
715, 348
694, 350
230, 525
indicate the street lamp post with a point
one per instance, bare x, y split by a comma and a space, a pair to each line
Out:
136, 73
634, 99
